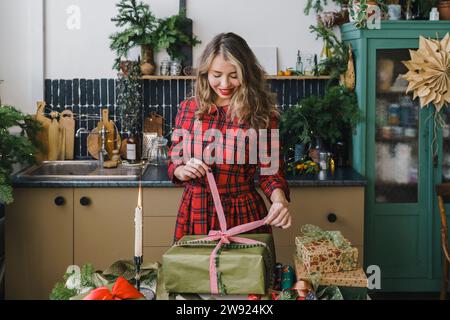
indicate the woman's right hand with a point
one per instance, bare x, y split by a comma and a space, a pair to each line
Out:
193, 169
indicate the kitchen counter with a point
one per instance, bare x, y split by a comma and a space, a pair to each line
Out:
93, 221
157, 177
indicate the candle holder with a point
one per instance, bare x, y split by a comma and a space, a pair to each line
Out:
138, 262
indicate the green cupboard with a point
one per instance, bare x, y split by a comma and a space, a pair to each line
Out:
393, 148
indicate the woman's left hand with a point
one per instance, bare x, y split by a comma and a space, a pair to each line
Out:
279, 215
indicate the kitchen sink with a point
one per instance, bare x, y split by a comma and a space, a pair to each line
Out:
80, 170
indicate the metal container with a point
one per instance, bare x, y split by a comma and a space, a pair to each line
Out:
164, 68
175, 68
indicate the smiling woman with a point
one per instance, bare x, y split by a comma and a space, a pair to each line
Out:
223, 79
231, 94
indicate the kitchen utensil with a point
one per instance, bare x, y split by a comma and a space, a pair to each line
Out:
147, 143
42, 135
53, 138
62, 144
110, 132
154, 123
93, 143
67, 123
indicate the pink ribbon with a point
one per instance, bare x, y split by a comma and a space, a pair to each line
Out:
223, 235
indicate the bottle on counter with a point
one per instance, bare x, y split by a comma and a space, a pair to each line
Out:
434, 14
132, 150
299, 64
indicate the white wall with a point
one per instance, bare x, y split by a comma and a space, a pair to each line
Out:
29, 53
85, 52
21, 53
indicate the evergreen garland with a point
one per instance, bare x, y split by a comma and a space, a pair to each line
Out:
327, 117
129, 101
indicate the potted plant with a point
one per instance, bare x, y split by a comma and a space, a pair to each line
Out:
140, 27
317, 5
17, 148
172, 36
444, 9
335, 64
326, 118
361, 11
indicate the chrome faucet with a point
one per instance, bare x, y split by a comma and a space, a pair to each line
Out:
102, 153
81, 130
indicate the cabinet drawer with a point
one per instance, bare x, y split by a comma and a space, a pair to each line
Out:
158, 231
313, 205
162, 202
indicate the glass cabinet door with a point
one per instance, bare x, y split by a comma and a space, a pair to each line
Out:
399, 166
446, 146
396, 131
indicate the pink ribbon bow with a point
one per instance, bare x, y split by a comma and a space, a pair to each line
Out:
223, 235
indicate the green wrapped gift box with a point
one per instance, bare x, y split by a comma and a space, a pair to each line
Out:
242, 269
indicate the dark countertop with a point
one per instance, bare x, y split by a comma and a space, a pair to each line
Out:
157, 177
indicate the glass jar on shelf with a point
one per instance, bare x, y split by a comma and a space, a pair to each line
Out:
308, 66
175, 68
164, 68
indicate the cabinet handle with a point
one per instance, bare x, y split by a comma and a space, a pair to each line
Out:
85, 201
59, 201
332, 217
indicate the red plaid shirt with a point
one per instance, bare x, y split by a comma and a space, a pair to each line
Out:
235, 182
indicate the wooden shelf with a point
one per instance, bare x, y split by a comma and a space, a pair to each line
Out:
298, 77
268, 77
168, 77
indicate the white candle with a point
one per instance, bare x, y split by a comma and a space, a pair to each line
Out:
138, 226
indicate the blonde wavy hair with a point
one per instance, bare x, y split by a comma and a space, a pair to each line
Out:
253, 102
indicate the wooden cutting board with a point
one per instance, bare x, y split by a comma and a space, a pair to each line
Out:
92, 142
53, 138
62, 144
111, 132
154, 123
42, 136
67, 124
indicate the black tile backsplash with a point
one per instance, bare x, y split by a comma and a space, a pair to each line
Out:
86, 98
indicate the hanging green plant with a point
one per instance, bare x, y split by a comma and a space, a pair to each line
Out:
129, 101
17, 148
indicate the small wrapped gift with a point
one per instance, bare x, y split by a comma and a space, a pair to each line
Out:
352, 284
325, 251
241, 268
